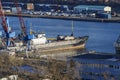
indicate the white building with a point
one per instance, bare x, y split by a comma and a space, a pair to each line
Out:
97, 66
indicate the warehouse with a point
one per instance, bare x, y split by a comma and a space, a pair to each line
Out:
92, 9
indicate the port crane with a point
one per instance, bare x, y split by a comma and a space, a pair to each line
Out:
9, 34
25, 36
22, 24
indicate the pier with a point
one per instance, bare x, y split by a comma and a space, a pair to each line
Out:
113, 19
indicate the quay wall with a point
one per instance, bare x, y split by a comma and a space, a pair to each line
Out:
113, 19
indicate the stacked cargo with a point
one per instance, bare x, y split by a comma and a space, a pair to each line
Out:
103, 15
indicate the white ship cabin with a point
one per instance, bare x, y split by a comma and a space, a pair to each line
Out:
41, 39
96, 66
41, 35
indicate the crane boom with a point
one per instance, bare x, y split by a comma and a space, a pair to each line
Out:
2, 15
22, 24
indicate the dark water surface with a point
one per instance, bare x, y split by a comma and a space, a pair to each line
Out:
101, 35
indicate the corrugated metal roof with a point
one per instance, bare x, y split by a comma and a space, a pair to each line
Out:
95, 56
90, 7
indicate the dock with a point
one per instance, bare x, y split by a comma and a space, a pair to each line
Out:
113, 19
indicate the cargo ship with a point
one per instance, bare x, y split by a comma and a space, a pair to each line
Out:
61, 43
44, 44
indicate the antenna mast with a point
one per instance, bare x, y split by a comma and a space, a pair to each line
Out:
72, 29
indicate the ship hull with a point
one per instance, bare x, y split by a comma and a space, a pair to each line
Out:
69, 47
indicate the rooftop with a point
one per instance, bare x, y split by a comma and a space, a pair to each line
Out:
91, 7
100, 56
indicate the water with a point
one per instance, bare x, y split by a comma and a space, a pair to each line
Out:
101, 35
27, 68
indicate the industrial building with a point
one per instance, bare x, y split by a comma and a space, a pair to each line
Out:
97, 66
92, 9
51, 7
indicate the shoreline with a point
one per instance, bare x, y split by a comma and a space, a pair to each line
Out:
113, 19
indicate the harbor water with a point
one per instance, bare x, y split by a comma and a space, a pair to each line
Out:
101, 35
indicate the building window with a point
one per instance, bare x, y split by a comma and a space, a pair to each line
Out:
111, 66
116, 67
